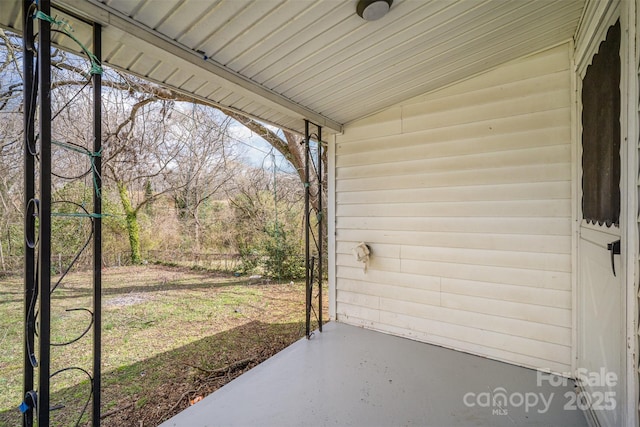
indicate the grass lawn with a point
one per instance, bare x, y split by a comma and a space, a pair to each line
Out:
170, 335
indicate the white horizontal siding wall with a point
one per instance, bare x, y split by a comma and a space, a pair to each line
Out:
464, 197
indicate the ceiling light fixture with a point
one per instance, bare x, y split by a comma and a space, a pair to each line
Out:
371, 10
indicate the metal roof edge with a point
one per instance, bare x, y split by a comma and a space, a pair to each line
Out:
100, 13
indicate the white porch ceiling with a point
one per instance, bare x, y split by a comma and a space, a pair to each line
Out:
285, 60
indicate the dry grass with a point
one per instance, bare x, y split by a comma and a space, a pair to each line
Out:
164, 331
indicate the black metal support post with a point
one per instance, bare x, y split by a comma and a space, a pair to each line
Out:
28, 69
44, 241
320, 216
36, 407
307, 240
97, 227
313, 267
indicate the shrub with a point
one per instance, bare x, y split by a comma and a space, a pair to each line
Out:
283, 259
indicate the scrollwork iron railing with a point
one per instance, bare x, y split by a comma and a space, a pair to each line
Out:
46, 210
314, 227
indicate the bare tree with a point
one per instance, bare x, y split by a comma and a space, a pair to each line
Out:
142, 144
11, 191
201, 165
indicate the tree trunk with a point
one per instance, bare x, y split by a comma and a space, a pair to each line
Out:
2, 266
196, 229
133, 228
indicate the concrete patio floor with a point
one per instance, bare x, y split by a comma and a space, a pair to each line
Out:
350, 376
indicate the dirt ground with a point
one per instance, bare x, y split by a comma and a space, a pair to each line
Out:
171, 336
186, 384
264, 322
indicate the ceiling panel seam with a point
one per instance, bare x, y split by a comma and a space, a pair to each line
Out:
246, 87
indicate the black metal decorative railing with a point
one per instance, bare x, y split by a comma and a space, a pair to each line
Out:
314, 226
48, 210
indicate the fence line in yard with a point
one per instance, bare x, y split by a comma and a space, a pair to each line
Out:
208, 260
11, 263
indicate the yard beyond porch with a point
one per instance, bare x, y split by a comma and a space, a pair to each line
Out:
353, 376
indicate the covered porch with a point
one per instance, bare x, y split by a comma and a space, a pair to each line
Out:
455, 142
349, 375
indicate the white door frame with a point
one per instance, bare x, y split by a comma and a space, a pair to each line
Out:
598, 17
630, 70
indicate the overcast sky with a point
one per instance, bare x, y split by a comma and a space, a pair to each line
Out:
257, 151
